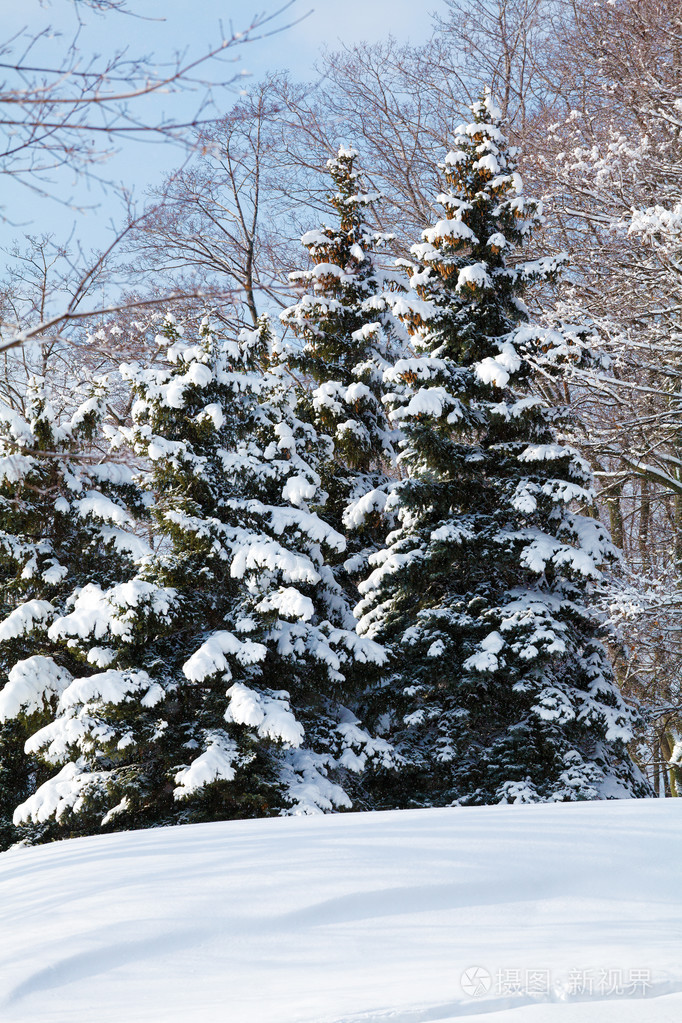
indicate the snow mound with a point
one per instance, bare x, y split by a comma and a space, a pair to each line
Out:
568, 913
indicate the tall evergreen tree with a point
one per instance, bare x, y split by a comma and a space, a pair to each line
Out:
228, 653
500, 690
349, 338
64, 517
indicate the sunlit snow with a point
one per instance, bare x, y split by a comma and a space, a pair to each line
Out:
567, 913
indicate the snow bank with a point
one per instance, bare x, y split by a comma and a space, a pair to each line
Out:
568, 913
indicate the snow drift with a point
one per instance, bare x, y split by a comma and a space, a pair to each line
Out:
568, 912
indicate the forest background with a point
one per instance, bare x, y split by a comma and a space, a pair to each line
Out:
593, 97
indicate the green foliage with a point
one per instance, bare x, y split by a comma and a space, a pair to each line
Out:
229, 649
61, 506
499, 689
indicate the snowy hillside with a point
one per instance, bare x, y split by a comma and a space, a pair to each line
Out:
357, 918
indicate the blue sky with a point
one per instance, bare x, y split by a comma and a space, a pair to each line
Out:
162, 28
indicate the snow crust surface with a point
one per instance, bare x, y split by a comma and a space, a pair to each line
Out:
353, 918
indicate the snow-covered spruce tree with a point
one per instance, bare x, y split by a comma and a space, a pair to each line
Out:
349, 338
64, 513
227, 653
500, 690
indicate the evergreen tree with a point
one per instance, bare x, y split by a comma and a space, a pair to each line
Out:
227, 654
349, 338
499, 689
64, 517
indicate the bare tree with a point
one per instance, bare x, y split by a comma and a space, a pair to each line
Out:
221, 223
237, 213
504, 45
612, 164
78, 111
395, 106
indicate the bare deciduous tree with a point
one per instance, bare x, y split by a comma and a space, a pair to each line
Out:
219, 224
76, 112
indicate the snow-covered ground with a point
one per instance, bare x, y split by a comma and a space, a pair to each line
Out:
559, 913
